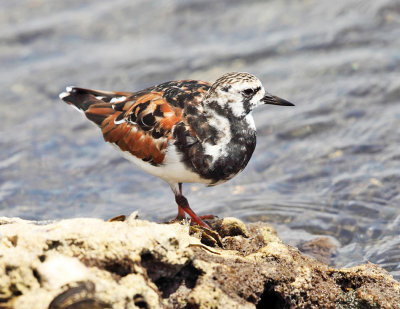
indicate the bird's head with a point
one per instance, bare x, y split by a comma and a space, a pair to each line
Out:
240, 93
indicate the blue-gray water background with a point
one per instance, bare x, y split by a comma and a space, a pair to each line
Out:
328, 167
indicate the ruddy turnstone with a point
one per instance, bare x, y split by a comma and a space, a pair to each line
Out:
181, 131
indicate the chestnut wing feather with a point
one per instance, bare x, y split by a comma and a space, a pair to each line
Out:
140, 125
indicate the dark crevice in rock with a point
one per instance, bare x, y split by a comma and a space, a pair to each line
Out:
271, 299
156, 268
75, 242
118, 267
36, 275
192, 306
53, 244
187, 276
169, 278
14, 290
9, 269
14, 293
347, 283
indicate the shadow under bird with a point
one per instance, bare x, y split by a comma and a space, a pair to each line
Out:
181, 131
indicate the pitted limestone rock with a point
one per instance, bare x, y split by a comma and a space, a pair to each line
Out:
139, 264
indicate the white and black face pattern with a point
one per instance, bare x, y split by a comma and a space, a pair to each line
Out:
238, 92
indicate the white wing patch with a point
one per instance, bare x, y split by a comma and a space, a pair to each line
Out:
62, 95
119, 121
118, 99
67, 92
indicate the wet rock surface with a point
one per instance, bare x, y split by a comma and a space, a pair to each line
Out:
90, 263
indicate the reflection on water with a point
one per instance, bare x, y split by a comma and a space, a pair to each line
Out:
328, 167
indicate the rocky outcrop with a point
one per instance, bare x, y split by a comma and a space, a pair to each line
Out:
89, 263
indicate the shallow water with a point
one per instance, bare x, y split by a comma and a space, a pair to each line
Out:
328, 167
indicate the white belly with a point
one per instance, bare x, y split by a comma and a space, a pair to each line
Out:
172, 170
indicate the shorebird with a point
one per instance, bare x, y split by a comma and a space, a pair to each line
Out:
185, 131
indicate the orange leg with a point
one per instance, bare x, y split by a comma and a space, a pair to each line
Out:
181, 214
207, 217
183, 206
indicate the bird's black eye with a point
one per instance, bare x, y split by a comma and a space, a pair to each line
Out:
248, 91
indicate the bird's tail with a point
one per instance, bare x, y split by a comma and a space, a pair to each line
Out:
82, 98
97, 105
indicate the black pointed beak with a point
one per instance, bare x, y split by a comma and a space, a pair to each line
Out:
271, 99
